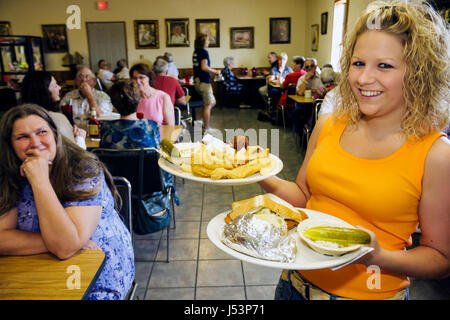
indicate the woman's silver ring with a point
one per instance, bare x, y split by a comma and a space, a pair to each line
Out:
25, 160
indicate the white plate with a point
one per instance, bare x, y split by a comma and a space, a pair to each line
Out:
175, 170
306, 258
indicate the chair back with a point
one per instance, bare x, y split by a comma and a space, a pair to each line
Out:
291, 90
138, 166
123, 186
177, 112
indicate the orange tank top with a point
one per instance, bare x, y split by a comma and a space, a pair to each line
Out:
378, 194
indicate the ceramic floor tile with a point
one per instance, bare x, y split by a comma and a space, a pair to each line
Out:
260, 275
145, 250
208, 251
260, 292
220, 293
211, 211
188, 211
179, 249
142, 272
184, 230
170, 294
175, 274
219, 273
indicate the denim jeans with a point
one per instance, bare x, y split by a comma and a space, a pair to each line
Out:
285, 290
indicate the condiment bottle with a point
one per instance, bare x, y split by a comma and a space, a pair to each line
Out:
94, 126
253, 72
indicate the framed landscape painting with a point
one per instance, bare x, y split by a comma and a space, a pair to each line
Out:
242, 38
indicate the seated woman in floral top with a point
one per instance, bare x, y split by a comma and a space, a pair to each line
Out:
59, 198
130, 132
230, 83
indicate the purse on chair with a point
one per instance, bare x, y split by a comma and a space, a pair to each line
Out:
153, 213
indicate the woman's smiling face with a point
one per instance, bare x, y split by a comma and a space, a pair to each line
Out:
30, 133
376, 73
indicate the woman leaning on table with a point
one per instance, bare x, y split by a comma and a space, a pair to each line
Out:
56, 197
390, 163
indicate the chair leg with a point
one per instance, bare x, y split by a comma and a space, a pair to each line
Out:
172, 207
168, 247
283, 115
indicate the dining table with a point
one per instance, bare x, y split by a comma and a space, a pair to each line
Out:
252, 84
45, 277
165, 131
301, 99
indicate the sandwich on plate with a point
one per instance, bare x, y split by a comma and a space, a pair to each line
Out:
259, 227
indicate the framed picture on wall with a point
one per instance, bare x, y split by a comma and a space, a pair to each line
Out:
146, 34
315, 37
54, 38
5, 28
177, 32
280, 30
242, 38
323, 23
211, 27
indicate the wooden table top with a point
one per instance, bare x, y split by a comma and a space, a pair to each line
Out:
169, 132
301, 99
250, 77
45, 277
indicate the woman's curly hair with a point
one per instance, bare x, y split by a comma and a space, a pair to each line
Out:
426, 83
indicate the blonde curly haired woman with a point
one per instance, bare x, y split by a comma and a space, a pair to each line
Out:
381, 161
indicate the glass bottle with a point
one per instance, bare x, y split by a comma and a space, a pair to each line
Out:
94, 126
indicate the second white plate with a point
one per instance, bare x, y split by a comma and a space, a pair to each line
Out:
306, 258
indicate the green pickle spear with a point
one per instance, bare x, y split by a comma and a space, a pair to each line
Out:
170, 149
343, 236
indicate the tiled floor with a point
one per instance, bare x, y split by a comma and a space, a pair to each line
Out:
197, 269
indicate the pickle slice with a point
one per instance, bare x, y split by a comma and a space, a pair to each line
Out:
344, 236
170, 149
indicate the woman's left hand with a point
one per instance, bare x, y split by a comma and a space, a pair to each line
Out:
372, 257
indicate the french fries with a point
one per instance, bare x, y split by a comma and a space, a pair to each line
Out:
229, 164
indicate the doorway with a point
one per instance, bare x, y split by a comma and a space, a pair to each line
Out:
107, 41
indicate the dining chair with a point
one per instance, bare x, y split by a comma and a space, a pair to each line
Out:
123, 186
140, 167
309, 125
291, 90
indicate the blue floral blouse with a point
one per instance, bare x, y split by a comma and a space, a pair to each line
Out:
134, 134
230, 82
111, 235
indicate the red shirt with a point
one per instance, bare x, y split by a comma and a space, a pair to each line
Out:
170, 86
291, 79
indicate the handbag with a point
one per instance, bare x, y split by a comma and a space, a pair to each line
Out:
152, 214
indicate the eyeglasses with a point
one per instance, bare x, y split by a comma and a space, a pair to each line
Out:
85, 77
310, 66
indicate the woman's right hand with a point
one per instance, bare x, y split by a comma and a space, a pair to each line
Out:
35, 167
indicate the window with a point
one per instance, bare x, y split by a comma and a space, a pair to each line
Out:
339, 22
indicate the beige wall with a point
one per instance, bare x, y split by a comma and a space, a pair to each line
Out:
27, 16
